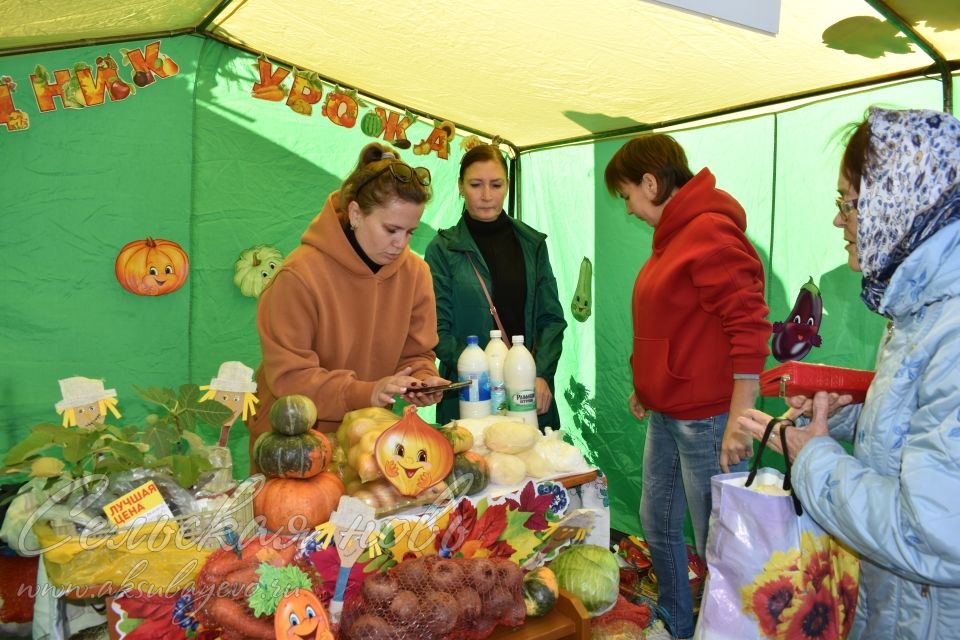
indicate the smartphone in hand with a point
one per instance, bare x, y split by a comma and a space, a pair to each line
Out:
450, 386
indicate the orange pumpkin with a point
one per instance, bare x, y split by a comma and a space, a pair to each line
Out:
413, 455
151, 267
291, 505
301, 615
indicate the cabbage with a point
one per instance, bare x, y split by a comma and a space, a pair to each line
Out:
591, 573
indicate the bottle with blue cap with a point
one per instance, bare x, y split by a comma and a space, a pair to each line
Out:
472, 366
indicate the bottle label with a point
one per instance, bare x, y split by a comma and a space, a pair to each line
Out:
524, 400
479, 390
498, 397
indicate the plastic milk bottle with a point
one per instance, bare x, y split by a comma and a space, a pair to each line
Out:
472, 365
496, 353
520, 376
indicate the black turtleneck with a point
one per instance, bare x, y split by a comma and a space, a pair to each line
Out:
501, 251
352, 237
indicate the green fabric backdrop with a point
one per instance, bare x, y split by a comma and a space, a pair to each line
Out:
195, 159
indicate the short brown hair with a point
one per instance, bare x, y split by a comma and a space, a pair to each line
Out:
483, 153
857, 153
373, 158
654, 153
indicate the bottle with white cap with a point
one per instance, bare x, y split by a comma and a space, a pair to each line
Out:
472, 366
496, 354
520, 376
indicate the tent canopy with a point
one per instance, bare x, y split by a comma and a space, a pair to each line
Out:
537, 73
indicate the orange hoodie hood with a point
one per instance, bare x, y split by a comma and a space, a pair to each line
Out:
326, 234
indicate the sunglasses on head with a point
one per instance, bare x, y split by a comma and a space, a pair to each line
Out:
401, 172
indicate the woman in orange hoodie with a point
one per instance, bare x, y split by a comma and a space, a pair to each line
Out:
350, 319
700, 334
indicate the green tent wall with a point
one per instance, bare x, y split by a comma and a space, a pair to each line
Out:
195, 159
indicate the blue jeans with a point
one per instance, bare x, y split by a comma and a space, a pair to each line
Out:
679, 458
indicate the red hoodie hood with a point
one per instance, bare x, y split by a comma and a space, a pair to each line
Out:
698, 196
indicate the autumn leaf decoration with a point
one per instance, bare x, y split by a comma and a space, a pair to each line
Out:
497, 530
148, 618
536, 505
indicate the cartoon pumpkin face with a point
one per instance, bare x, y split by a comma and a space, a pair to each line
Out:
255, 269
300, 615
152, 267
413, 455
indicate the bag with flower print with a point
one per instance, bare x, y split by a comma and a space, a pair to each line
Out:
772, 571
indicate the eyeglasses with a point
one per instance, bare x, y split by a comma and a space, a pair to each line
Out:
401, 172
844, 207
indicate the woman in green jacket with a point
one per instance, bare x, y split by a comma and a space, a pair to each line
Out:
512, 259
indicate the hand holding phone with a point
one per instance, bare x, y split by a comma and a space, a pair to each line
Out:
449, 386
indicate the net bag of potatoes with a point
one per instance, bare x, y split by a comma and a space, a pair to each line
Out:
430, 598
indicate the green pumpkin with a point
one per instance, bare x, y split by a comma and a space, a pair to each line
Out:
300, 456
293, 415
371, 124
474, 467
459, 437
540, 591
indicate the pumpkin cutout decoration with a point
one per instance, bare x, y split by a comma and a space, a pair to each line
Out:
413, 455
152, 267
255, 268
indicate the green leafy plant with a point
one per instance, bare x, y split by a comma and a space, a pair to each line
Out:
168, 441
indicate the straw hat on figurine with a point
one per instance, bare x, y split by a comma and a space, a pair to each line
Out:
79, 391
234, 376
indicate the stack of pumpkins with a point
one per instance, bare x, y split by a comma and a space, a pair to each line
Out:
299, 493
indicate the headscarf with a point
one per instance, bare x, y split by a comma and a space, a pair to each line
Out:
909, 191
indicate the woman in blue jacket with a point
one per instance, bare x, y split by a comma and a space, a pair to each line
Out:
512, 259
896, 500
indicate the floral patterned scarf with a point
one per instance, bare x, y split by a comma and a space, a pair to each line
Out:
910, 190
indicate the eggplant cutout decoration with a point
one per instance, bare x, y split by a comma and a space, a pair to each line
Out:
800, 332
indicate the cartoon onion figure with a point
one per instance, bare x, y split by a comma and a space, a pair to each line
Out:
234, 388
85, 402
800, 332
413, 455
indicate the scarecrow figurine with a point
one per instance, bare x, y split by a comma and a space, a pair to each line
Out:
85, 402
234, 388
352, 527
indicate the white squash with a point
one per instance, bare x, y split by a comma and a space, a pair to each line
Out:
510, 437
563, 457
537, 465
505, 468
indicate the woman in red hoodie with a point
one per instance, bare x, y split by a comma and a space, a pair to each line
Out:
699, 343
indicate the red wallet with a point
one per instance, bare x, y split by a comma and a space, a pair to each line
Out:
805, 379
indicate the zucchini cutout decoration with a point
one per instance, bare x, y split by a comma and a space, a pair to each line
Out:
800, 332
582, 304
